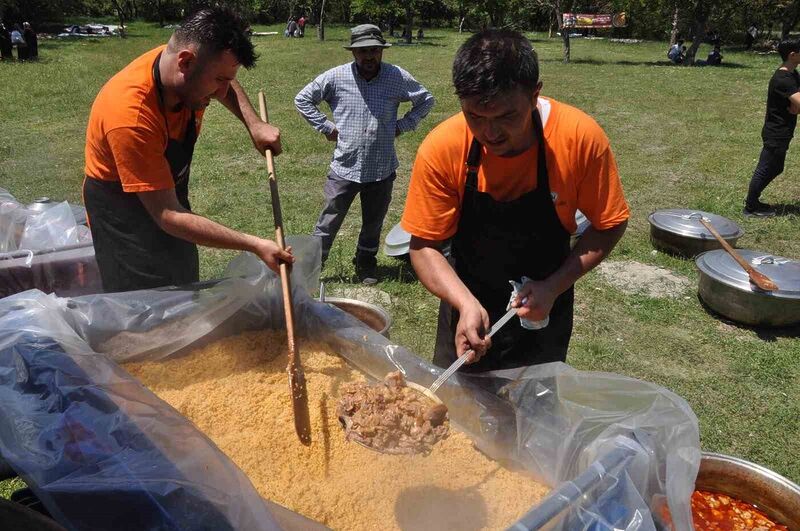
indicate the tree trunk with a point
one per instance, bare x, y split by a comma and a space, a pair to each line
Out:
565, 38
160, 8
461, 24
409, 21
321, 23
673, 36
121, 15
790, 18
698, 24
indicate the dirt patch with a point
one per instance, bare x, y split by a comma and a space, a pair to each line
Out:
635, 278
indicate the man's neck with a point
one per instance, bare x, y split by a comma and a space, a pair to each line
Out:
365, 77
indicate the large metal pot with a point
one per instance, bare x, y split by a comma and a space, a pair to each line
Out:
725, 287
43, 203
370, 314
679, 231
772, 493
582, 223
398, 241
20, 518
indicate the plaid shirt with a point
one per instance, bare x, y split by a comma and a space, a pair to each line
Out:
365, 114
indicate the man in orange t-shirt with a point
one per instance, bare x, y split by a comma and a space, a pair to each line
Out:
502, 180
139, 145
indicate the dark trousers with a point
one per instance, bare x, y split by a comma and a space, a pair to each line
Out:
770, 165
339, 195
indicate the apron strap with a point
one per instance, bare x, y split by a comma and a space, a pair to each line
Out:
190, 137
473, 163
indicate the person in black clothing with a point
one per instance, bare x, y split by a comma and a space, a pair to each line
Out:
783, 104
6, 49
31, 40
714, 57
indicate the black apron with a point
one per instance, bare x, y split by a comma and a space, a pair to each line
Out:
499, 241
132, 251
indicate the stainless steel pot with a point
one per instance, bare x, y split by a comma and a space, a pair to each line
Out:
398, 241
725, 287
370, 314
43, 203
679, 231
772, 493
582, 223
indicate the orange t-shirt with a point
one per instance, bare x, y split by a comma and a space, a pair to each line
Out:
581, 167
127, 133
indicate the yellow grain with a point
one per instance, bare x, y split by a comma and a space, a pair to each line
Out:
236, 391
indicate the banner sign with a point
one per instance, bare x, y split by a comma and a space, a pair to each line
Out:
596, 20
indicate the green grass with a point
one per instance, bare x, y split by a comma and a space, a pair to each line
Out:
684, 137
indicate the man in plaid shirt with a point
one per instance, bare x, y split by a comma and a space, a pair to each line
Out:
364, 96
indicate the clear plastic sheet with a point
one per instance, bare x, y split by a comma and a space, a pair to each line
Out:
50, 229
46, 250
616, 450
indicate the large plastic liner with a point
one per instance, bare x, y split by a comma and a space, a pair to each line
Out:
46, 248
103, 452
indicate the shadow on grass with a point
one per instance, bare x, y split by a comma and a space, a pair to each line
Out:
784, 209
399, 269
764, 333
623, 62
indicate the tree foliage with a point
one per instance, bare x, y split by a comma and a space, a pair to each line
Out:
651, 19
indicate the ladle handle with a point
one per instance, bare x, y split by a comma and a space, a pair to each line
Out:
756, 277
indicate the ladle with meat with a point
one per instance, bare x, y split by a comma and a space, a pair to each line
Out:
393, 416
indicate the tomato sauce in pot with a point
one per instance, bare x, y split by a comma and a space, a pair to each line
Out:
712, 511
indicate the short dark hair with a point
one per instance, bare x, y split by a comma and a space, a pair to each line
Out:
216, 29
494, 61
787, 47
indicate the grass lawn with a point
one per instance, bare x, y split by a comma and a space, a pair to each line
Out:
684, 137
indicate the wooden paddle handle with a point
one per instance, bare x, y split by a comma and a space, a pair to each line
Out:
273, 180
725, 245
297, 381
757, 277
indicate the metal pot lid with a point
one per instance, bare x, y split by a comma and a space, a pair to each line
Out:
686, 223
397, 237
43, 203
582, 222
721, 266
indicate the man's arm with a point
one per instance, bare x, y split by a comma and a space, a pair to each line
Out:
794, 103
263, 134
306, 103
439, 278
172, 218
593, 246
422, 101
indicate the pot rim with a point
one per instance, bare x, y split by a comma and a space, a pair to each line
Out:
697, 237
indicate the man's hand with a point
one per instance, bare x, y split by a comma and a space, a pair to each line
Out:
265, 136
541, 297
473, 324
272, 255
333, 136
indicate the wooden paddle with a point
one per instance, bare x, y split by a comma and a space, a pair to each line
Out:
297, 380
758, 278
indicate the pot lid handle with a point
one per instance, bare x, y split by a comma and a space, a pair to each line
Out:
769, 260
